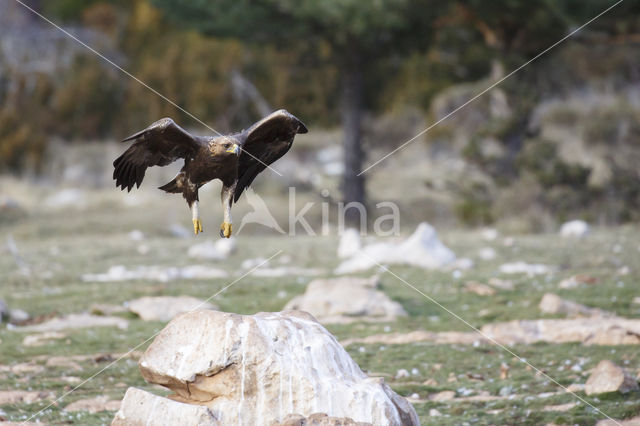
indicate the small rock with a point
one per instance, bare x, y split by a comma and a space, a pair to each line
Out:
350, 243
76, 321
608, 377
402, 373
560, 407
524, 268
94, 405
487, 253
136, 235
554, 304
501, 284
42, 339
489, 234
434, 413
443, 396
636, 300
505, 391
347, 299
164, 308
576, 387
479, 289
576, 280
574, 228
219, 250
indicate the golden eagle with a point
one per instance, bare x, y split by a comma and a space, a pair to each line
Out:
234, 159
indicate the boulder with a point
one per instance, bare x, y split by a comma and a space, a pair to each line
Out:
608, 377
163, 308
346, 299
257, 369
574, 228
350, 243
141, 408
422, 249
554, 304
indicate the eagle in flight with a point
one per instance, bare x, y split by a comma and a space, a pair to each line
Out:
235, 159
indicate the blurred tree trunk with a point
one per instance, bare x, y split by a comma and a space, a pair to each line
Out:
352, 106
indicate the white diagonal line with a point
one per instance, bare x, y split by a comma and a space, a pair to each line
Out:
492, 86
93, 376
492, 340
127, 73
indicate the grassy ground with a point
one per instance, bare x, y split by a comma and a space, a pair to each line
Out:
61, 245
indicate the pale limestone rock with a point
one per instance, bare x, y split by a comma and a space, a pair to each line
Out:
608, 377
520, 267
73, 321
554, 304
94, 405
422, 249
141, 408
21, 397
258, 369
442, 396
346, 299
42, 338
479, 289
574, 228
350, 243
163, 308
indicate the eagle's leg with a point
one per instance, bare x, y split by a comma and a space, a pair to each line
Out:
197, 223
227, 199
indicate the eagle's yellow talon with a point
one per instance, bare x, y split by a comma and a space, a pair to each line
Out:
225, 230
197, 226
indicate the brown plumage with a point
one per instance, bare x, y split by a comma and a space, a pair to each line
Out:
234, 159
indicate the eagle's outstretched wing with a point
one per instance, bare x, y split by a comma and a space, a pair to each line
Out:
263, 143
160, 144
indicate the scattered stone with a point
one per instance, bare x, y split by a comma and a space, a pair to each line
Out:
155, 273
42, 338
164, 308
489, 234
574, 228
140, 407
636, 300
18, 316
422, 249
501, 284
479, 288
346, 299
560, 407
66, 198
434, 412
244, 376
136, 235
487, 253
23, 368
576, 281
442, 396
529, 269
317, 419
350, 243
402, 374
219, 250
444, 337
64, 362
576, 387
94, 405
608, 377
106, 309
21, 397
554, 304
76, 321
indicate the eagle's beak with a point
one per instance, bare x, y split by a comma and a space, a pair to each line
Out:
234, 149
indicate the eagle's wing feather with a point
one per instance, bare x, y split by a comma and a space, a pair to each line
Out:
160, 144
263, 143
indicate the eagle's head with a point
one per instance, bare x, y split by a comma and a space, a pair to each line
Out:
224, 147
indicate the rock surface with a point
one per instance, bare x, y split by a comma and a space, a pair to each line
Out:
554, 304
163, 308
346, 299
257, 370
608, 377
422, 249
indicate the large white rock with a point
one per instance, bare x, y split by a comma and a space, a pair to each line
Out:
422, 249
346, 299
350, 243
258, 369
574, 228
163, 308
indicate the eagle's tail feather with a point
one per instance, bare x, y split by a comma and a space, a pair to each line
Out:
171, 186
